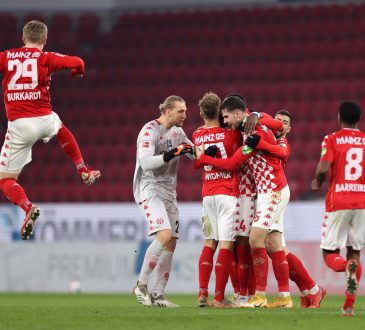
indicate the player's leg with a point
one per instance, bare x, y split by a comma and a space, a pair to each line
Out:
227, 230
206, 258
163, 266
15, 154
71, 148
159, 226
233, 275
280, 268
246, 213
311, 294
205, 271
355, 243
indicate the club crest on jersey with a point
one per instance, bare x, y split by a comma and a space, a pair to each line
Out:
246, 150
175, 135
145, 144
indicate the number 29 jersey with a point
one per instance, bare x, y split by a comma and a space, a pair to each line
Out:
27, 77
345, 150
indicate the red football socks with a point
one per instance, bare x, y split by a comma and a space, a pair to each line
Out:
222, 270
70, 147
244, 267
15, 193
336, 262
260, 267
234, 274
281, 270
298, 273
205, 269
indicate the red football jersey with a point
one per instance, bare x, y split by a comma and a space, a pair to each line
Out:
217, 181
345, 151
267, 169
27, 76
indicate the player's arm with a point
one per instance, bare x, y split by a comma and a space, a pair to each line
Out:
262, 118
185, 140
58, 61
323, 165
240, 156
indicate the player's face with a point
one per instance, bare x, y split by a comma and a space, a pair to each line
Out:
177, 114
286, 125
232, 118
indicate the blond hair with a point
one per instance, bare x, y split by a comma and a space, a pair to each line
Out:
209, 105
35, 32
169, 102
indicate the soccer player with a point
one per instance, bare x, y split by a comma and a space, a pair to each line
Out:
272, 198
220, 190
344, 220
159, 145
311, 294
27, 75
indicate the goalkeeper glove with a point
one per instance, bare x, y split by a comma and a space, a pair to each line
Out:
253, 140
211, 151
181, 149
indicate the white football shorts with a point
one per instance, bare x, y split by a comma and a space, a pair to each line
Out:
22, 133
222, 213
247, 210
343, 228
270, 210
161, 214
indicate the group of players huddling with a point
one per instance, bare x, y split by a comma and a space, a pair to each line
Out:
245, 193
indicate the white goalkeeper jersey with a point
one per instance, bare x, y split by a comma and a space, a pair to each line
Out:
152, 176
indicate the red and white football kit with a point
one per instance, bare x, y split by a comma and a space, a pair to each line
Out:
220, 188
344, 220
27, 76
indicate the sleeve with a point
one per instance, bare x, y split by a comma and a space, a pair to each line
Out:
58, 61
274, 124
198, 164
240, 156
2, 55
278, 151
327, 150
146, 147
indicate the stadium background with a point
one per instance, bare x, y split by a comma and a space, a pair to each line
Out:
303, 56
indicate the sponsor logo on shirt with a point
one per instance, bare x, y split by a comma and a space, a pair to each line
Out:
324, 151
145, 144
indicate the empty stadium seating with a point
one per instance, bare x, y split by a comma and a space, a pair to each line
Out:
304, 59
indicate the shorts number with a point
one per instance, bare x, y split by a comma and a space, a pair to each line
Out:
222, 150
26, 69
177, 227
353, 168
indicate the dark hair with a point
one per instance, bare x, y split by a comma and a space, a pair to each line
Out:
237, 95
285, 113
209, 105
232, 103
349, 112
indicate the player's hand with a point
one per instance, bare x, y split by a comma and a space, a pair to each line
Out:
253, 140
314, 185
211, 151
76, 73
250, 124
181, 149
199, 150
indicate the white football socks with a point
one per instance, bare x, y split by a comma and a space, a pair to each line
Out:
150, 261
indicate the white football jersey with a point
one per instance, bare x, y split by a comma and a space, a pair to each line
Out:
152, 175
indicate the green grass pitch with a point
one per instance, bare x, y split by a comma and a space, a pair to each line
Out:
91, 311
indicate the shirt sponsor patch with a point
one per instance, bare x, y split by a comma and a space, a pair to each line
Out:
145, 144
246, 150
323, 152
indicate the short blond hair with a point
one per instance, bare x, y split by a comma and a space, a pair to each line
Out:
35, 32
170, 102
